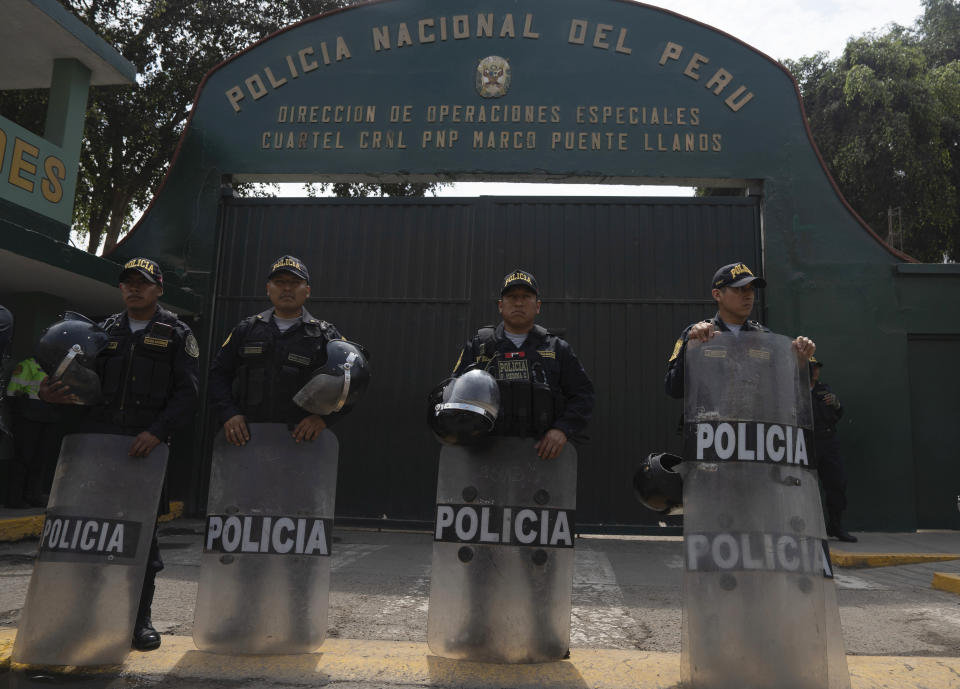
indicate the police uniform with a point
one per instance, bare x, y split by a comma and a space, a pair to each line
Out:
673, 382
148, 380
542, 383
731, 275
833, 478
259, 369
36, 438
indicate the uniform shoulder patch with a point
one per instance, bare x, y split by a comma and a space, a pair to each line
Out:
676, 349
191, 347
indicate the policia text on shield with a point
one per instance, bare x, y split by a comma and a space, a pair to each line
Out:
506, 489
756, 559
281, 378
129, 382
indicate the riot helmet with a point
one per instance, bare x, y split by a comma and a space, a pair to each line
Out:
468, 409
339, 383
67, 351
657, 485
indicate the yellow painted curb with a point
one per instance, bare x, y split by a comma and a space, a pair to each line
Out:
18, 528
863, 560
176, 511
408, 663
946, 582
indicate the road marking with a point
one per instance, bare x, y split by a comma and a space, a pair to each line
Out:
848, 581
349, 553
599, 617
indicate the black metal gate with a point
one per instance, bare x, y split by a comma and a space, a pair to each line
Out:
412, 279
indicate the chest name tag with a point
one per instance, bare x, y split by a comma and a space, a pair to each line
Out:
514, 369
297, 359
253, 349
156, 342
113, 344
547, 353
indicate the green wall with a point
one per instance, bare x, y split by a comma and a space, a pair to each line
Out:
830, 277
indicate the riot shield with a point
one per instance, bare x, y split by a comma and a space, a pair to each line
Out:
503, 553
265, 567
85, 589
759, 604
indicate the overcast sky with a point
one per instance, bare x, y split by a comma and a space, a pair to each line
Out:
780, 28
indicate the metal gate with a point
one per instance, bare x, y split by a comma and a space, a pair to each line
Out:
412, 279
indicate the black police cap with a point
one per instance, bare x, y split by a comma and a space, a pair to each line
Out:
292, 265
736, 275
145, 267
520, 278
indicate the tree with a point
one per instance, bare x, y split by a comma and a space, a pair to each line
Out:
131, 133
886, 117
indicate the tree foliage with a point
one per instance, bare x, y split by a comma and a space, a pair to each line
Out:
131, 132
886, 117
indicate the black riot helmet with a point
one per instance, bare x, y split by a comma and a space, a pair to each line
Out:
468, 409
657, 486
339, 383
68, 350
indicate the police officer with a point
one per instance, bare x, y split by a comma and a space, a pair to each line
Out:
36, 438
268, 357
734, 290
826, 413
148, 378
544, 391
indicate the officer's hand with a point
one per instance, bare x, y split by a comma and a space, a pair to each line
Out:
804, 347
831, 399
55, 392
235, 430
143, 444
702, 331
551, 443
309, 428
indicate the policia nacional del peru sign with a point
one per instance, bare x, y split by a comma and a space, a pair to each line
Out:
539, 89
492, 101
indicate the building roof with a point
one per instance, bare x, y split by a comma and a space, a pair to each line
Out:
54, 33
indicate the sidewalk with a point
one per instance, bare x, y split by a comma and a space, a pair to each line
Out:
626, 591
406, 664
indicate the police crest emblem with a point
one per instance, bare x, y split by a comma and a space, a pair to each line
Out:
191, 347
493, 76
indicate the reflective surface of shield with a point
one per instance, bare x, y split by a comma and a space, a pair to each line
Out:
759, 601
265, 567
503, 553
85, 589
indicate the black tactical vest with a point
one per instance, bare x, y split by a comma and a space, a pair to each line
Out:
274, 366
528, 378
136, 370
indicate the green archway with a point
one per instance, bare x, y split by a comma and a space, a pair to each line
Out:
610, 91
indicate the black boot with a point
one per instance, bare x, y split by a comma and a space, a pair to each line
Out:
835, 529
145, 637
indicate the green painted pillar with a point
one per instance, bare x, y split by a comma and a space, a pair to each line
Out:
67, 108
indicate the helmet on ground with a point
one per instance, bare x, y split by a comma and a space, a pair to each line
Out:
339, 383
657, 486
468, 409
68, 350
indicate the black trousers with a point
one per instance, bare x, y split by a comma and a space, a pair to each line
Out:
36, 448
833, 478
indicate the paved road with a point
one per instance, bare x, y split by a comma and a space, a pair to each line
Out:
626, 598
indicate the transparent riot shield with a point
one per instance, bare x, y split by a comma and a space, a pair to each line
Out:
265, 568
503, 553
85, 590
759, 604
